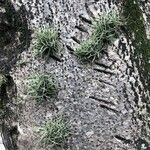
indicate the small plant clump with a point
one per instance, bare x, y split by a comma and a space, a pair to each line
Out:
105, 31
54, 133
41, 87
46, 43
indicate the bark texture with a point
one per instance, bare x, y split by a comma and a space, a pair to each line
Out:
106, 103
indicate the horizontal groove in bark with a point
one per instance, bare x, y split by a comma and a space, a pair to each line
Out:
70, 48
126, 141
81, 28
102, 65
101, 100
104, 71
90, 13
85, 19
100, 80
75, 39
109, 108
56, 58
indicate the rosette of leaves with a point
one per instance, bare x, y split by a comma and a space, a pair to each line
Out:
46, 42
41, 87
54, 133
105, 30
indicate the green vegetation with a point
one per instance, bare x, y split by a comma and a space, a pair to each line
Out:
105, 31
141, 56
47, 42
41, 87
136, 27
54, 133
2, 80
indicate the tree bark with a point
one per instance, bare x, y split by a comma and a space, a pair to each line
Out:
107, 102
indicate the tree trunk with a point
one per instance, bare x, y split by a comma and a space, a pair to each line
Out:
106, 103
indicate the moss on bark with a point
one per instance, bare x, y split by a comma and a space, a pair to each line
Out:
137, 33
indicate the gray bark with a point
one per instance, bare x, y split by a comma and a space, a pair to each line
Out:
103, 102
